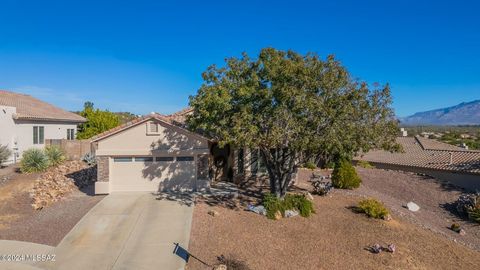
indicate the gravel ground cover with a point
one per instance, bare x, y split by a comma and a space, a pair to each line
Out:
336, 237
19, 221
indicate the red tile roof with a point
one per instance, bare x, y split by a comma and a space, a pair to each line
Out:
30, 108
428, 153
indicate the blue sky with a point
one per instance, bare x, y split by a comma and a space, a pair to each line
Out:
144, 56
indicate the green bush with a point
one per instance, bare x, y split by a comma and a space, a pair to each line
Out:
365, 164
310, 165
55, 155
474, 215
345, 176
33, 160
5, 153
272, 204
296, 202
373, 208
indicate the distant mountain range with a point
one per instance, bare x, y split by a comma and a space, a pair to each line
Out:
466, 113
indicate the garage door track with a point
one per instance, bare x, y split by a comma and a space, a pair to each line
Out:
126, 231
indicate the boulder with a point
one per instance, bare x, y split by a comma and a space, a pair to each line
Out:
278, 215
308, 196
220, 267
213, 213
291, 213
387, 217
413, 206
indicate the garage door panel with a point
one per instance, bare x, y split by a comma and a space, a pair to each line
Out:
153, 176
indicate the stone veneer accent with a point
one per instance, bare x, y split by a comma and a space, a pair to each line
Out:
202, 167
102, 169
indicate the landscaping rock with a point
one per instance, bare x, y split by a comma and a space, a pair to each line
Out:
278, 215
291, 213
391, 248
462, 232
58, 182
413, 207
257, 209
220, 267
308, 196
387, 217
213, 213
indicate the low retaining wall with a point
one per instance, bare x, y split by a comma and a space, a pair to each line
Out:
470, 182
74, 149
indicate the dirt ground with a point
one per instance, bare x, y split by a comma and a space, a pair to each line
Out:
19, 221
336, 237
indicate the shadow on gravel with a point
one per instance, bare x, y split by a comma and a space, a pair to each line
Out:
451, 207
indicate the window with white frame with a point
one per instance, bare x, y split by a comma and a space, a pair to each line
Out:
38, 135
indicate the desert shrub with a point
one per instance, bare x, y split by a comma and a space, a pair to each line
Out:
33, 160
345, 176
5, 153
310, 165
474, 215
233, 263
469, 205
373, 208
90, 159
365, 164
272, 204
55, 155
297, 202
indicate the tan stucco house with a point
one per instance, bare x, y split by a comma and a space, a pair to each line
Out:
157, 153
26, 122
151, 153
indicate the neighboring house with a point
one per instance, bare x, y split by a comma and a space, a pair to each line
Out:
431, 157
26, 122
156, 153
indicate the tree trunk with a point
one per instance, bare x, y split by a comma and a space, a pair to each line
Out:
281, 165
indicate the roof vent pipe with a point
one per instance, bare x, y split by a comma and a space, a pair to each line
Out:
451, 158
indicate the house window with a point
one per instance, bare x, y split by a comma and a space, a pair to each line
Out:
70, 134
240, 162
164, 159
186, 158
257, 162
153, 128
144, 159
38, 135
122, 159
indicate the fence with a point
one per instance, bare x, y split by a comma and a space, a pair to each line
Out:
74, 149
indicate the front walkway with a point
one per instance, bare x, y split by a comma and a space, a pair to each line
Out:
126, 231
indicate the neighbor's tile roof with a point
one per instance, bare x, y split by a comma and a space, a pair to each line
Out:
30, 108
181, 116
428, 153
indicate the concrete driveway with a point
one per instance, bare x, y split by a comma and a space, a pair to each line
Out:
126, 231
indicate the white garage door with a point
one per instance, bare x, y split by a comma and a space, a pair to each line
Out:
153, 173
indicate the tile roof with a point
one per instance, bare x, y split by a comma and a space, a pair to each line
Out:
428, 153
181, 116
30, 108
163, 118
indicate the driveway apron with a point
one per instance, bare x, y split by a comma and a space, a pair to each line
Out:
126, 231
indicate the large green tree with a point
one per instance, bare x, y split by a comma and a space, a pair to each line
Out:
293, 108
98, 121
